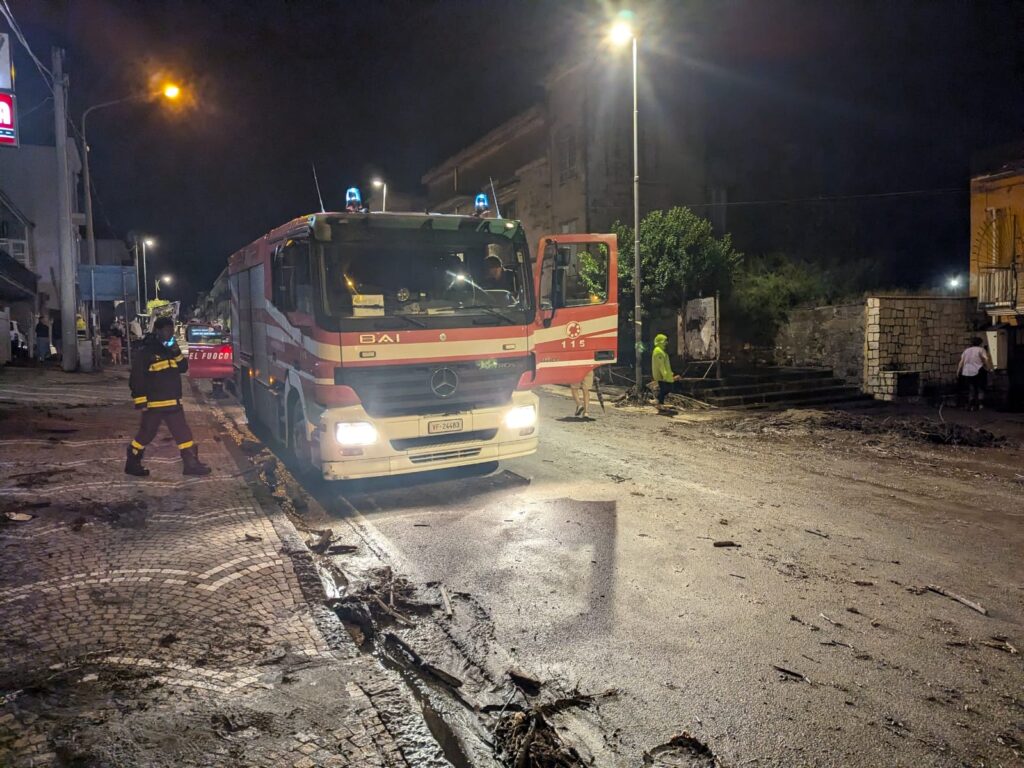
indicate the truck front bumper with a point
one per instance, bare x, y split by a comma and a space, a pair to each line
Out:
405, 444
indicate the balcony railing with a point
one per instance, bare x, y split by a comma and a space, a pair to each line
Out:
997, 287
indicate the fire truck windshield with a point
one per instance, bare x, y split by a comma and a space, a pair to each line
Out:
425, 272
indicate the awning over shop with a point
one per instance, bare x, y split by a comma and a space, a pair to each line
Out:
16, 282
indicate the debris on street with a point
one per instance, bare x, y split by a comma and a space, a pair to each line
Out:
688, 403
527, 740
959, 598
915, 429
789, 673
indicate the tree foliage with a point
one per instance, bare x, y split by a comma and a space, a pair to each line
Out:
680, 259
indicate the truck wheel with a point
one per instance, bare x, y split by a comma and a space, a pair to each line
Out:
245, 392
298, 437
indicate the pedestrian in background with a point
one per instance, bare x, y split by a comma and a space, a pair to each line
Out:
155, 383
661, 368
42, 340
972, 371
114, 347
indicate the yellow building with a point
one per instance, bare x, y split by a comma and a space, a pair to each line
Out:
997, 243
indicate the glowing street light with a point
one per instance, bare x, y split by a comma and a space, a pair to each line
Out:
954, 282
156, 285
146, 242
621, 33
171, 92
380, 183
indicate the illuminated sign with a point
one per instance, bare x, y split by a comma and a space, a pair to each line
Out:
8, 120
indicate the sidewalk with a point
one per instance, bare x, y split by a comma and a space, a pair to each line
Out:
162, 620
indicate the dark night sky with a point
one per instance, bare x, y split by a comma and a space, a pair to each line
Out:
907, 90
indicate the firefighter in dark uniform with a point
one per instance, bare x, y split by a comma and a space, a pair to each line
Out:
155, 382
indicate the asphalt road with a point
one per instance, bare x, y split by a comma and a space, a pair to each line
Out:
595, 565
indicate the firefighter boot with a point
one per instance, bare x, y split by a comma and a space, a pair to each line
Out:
192, 464
133, 464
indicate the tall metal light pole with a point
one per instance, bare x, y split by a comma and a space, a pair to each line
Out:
69, 335
621, 33
169, 91
379, 183
146, 241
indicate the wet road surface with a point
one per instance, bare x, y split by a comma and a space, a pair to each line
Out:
595, 564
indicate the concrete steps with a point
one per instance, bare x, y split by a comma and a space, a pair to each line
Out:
776, 387
792, 398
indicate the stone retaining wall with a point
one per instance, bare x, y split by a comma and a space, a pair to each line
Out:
827, 337
917, 334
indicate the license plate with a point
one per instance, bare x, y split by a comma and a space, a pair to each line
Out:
440, 427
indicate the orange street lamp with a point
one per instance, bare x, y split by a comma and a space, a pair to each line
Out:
170, 92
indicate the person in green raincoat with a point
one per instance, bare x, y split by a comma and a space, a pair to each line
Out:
661, 368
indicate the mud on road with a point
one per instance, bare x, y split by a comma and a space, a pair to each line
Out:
576, 602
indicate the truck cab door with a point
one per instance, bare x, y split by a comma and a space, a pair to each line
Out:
576, 326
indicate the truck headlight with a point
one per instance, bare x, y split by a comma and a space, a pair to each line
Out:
351, 433
522, 417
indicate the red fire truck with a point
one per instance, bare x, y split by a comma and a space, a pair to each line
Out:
209, 354
383, 343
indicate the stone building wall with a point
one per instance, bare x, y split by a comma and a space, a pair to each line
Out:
828, 337
917, 335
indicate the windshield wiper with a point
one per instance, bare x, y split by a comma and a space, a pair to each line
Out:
493, 311
407, 318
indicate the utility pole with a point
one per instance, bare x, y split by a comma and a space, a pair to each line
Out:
90, 234
69, 334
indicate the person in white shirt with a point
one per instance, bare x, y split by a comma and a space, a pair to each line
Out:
973, 371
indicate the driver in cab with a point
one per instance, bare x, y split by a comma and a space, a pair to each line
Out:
496, 277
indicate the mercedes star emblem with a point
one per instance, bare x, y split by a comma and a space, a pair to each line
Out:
444, 382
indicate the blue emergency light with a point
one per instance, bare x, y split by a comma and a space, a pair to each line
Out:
353, 197
481, 204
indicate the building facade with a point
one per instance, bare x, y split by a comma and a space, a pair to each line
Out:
566, 163
997, 242
28, 184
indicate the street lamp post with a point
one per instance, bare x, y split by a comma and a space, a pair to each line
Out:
169, 91
146, 241
379, 183
621, 33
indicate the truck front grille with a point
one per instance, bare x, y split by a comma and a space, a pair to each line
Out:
461, 453
398, 390
409, 443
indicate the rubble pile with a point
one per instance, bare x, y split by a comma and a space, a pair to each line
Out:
527, 740
915, 429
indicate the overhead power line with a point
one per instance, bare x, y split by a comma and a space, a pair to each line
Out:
832, 198
8, 14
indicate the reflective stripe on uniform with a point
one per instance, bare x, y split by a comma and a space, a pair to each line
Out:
162, 365
162, 403
136, 445
179, 358
183, 446
139, 400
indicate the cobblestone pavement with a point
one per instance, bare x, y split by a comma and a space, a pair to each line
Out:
160, 621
